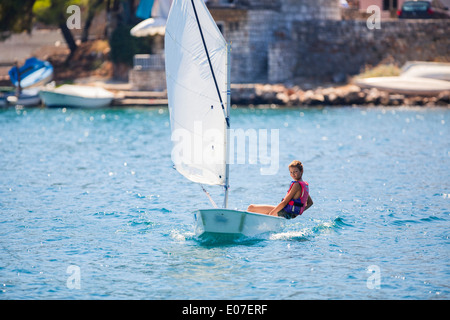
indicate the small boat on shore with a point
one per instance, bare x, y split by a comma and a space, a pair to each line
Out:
76, 96
406, 85
431, 70
33, 73
416, 78
27, 98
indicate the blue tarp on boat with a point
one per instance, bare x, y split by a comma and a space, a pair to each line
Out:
33, 72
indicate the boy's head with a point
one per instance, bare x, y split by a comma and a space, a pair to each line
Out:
296, 170
297, 164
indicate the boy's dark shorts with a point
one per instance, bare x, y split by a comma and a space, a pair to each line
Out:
287, 215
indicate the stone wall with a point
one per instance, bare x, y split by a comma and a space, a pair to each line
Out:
148, 72
295, 39
254, 25
307, 10
335, 49
147, 80
283, 62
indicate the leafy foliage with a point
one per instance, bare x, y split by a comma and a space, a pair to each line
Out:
124, 46
16, 16
53, 12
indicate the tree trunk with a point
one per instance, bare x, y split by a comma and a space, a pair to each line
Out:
91, 14
69, 39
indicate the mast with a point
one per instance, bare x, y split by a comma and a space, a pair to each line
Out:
227, 134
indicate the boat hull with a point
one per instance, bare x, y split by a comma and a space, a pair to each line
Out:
406, 85
235, 223
28, 98
55, 99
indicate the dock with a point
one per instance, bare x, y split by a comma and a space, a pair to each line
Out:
140, 98
125, 95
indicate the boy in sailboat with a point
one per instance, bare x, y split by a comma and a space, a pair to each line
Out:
296, 201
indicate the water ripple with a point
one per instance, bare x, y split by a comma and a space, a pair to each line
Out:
96, 189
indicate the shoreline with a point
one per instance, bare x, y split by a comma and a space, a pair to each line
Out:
344, 95
283, 96
279, 95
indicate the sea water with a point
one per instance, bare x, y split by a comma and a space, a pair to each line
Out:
91, 208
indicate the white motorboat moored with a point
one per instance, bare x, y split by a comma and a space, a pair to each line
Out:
76, 96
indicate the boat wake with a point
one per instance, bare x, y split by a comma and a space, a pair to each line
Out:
300, 236
214, 240
307, 233
181, 236
293, 232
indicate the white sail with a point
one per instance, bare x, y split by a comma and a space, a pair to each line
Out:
197, 87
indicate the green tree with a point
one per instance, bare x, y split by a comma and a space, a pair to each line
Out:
54, 12
93, 8
124, 46
15, 16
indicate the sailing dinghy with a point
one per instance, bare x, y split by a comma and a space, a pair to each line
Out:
198, 88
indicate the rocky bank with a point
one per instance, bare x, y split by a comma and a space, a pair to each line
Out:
345, 95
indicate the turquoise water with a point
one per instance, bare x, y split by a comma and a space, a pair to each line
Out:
91, 208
